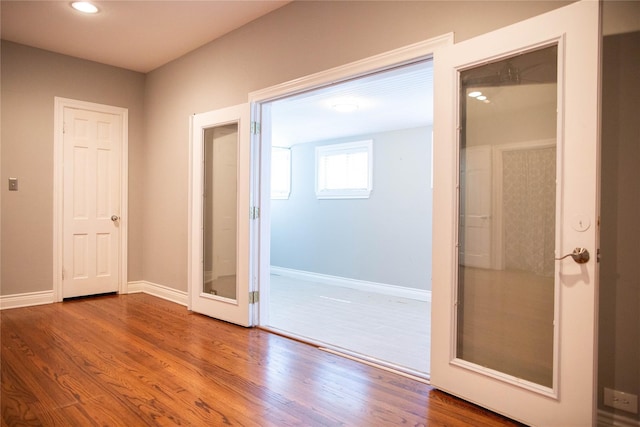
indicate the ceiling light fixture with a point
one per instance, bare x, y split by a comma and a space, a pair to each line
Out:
84, 7
345, 108
479, 96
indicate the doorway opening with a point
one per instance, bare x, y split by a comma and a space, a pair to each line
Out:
348, 216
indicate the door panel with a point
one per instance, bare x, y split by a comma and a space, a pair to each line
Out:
517, 333
91, 243
219, 215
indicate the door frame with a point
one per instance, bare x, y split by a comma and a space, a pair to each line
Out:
58, 188
261, 232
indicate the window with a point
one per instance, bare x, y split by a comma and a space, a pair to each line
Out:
280, 173
343, 171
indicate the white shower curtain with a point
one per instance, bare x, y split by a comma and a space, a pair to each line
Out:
529, 209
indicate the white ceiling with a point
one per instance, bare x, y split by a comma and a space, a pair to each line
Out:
396, 99
136, 35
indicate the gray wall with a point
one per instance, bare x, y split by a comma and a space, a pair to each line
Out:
384, 239
619, 335
296, 40
31, 78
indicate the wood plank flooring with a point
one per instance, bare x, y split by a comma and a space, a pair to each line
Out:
136, 360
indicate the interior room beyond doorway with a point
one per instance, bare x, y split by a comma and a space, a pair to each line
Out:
350, 217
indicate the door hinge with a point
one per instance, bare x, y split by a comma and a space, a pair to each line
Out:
255, 128
254, 212
254, 297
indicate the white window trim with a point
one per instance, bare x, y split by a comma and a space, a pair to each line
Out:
349, 147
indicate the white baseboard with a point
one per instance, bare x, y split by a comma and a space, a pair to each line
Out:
182, 298
160, 291
362, 285
609, 419
46, 297
26, 299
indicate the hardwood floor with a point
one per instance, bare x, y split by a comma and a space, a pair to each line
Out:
136, 360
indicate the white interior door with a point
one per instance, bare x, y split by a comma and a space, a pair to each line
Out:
91, 209
519, 338
219, 217
477, 196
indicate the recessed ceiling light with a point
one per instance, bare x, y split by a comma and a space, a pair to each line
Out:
475, 94
481, 98
84, 7
345, 107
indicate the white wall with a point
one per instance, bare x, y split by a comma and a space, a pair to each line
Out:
383, 239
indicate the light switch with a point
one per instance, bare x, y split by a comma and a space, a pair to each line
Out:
13, 184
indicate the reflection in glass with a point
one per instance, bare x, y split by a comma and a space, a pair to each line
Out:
506, 228
220, 210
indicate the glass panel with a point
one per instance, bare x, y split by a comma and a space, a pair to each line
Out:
507, 215
220, 210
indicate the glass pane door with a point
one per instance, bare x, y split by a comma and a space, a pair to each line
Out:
220, 210
219, 221
507, 205
516, 178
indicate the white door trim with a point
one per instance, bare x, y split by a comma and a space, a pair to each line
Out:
394, 58
260, 169
58, 186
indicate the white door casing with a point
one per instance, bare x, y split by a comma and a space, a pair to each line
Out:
90, 189
261, 162
235, 310
570, 401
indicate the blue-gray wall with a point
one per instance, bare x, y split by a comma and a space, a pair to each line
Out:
383, 239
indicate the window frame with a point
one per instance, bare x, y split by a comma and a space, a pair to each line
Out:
322, 151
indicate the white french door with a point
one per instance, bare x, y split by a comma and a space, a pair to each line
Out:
518, 336
219, 217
